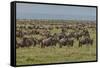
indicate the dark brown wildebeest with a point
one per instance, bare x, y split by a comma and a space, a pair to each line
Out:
86, 40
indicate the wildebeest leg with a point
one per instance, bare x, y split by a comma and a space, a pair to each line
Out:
34, 43
72, 43
54, 44
68, 43
42, 45
80, 45
77, 37
60, 46
91, 42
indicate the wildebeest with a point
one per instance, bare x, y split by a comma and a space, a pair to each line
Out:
86, 40
66, 41
48, 42
54, 39
26, 42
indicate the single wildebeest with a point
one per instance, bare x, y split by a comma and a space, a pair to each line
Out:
46, 42
27, 42
85, 41
70, 41
66, 41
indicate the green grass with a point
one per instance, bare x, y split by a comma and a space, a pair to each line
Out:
37, 55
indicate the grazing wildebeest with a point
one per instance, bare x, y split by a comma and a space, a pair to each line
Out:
86, 40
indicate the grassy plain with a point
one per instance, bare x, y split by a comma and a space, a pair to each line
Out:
37, 55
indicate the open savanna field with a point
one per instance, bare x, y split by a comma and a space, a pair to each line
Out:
36, 53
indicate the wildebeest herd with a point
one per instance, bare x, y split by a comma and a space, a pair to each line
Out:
45, 33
